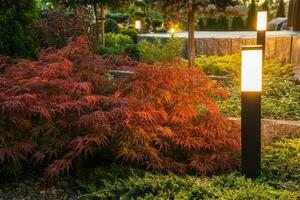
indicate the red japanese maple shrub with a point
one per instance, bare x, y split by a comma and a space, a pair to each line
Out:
64, 107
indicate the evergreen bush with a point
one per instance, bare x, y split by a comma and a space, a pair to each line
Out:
111, 26
238, 24
131, 33
160, 51
281, 9
252, 15
15, 39
211, 24
201, 24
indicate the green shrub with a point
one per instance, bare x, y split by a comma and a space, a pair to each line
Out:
221, 24
132, 51
157, 22
118, 41
211, 24
109, 51
201, 24
230, 65
161, 30
131, 33
118, 17
111, 26
280, 164
159, 51
232, 106
219, 65
280, 100
15, 39
237, 24
281, 95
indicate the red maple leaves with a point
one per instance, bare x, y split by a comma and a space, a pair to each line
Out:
64, 107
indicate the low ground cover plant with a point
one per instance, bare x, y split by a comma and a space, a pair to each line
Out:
66, 108
281, 94
280, 164
279, 180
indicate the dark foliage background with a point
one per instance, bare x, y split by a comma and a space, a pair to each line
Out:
15, 16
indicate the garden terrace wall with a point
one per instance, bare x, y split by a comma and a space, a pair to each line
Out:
281, 45
272, 129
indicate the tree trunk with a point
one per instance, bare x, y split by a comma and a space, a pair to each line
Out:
102, 26
97, 29
289, 23
294, 15
191, 38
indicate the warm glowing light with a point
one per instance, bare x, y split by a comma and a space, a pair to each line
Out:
172, 30
251, 68
138, 24
262, 20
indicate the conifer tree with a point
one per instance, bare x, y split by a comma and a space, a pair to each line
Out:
251, 19
237, 24
281, 9
15, 40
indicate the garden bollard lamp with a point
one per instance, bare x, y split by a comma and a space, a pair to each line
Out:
261, 28
251, 86
138, 25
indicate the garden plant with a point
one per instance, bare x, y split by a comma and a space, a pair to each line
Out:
90, 109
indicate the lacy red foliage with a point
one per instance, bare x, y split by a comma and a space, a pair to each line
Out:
65, 107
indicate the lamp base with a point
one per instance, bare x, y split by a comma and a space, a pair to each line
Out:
251, 134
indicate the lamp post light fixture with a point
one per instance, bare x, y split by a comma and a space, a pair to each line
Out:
138, 25
261, 28
251, 86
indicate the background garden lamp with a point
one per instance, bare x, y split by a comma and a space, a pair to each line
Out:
261, 29
138, 25
251, 86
